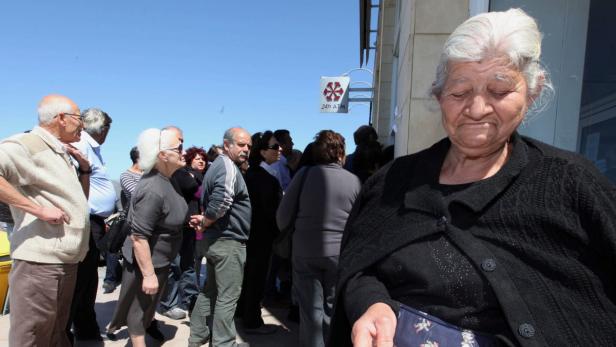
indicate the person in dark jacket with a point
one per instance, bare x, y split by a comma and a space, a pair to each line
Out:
322, 202
265, 195
486, 230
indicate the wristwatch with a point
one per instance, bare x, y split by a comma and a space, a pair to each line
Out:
89, 171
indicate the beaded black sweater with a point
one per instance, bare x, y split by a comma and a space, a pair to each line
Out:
538, 238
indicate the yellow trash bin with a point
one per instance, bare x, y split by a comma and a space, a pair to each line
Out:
5, 267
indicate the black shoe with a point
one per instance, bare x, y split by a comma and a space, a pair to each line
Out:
154, 332
89, 337
111, 336
293, 315
265, 329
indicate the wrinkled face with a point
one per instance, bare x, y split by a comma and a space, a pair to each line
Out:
198, 163
482, 104
172, 156
71, 125
238, 149
272, 153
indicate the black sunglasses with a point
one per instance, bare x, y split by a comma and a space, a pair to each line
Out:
179, 149
275, 146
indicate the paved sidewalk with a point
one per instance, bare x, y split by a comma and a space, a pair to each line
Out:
177, 331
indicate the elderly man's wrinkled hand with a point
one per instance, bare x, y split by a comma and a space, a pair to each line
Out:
375, 328
52, 215
197, 222
81, 159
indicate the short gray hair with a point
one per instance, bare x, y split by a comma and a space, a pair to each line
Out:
512, 33
149, 144
47, 110
230, 133
94, 120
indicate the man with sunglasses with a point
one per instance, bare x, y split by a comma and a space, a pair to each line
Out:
102, 202
51, 233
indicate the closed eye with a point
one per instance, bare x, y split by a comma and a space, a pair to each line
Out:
500, 94
459, 94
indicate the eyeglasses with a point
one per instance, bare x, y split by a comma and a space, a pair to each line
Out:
275, 147
74, 115
179, 149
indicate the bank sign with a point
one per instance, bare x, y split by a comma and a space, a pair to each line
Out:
335, 94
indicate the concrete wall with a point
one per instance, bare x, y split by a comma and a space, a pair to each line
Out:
411, 36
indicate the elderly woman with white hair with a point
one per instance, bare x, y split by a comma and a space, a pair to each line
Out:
488, 237
156, 216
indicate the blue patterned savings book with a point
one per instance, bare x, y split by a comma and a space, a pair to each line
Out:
419, 329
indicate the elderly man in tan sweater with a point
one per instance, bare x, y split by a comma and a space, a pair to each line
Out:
48, 200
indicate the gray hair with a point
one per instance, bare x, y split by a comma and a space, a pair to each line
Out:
512, 34
94, 120
149, 144
230, 133
48, 109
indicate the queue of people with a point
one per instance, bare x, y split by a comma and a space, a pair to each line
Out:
487, 238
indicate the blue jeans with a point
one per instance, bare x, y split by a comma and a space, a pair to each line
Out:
314, 283
182, 286
113, 272
181, 289
225, 270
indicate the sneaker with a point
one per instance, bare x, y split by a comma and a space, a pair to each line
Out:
175, 313
108, 287
264, 329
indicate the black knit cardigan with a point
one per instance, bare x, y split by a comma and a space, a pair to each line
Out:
545, 224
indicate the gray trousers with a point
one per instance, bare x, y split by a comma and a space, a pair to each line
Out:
40, 300
218, 299
314, 283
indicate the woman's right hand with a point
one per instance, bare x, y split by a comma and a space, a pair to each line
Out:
376, 327
150, 284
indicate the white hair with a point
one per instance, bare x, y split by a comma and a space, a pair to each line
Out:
94, 120
149, 144
47, 110
512, 34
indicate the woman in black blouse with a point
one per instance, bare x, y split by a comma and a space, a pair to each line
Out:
265, 195
156, 216
486, 230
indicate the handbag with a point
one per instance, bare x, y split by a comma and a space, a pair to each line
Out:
119, 229
282, 243
416, 328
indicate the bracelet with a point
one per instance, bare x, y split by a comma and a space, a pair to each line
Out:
89, 171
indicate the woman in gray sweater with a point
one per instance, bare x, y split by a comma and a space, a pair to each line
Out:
323, 203
157, 213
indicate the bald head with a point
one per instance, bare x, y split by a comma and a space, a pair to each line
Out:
176, 131
61, 117
54, 104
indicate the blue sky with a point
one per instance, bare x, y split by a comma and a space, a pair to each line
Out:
202, 65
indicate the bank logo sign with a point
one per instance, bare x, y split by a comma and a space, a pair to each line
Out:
335, 94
